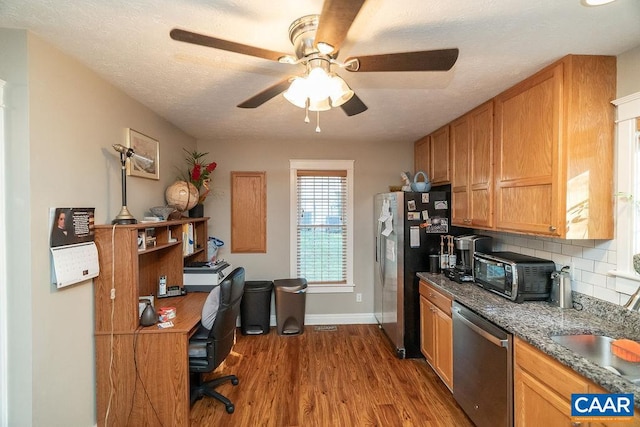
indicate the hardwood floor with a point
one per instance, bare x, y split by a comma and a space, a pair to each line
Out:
346, 377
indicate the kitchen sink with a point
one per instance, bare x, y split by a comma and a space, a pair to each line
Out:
597, 349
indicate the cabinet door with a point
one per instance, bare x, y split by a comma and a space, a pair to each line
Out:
460, 144
427, 329
481, 166
440, 169
422, 156
537, 405
444, 346
527, 127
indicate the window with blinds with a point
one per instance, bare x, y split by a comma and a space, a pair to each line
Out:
322, 226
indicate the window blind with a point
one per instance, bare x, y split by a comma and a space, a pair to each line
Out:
321, 226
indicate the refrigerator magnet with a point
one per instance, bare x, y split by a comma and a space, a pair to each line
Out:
413, 216
411, 205
425, 215
441, 204
425, 197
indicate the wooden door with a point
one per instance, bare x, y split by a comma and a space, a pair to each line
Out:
481, 166
527, 131
248, 212
440, 167
427, 330
444, 346
422, 156
460, 157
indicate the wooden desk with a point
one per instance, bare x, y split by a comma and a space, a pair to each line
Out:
150, 369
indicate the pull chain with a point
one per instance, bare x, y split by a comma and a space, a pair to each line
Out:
306, 111
317, 121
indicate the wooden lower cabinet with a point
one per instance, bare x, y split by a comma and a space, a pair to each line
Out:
543, 388
436, 336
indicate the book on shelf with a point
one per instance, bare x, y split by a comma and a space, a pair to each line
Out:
187, 239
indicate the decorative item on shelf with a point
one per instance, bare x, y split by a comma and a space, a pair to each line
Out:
422, 186
124, 216
182, 195
197, 211
162, 211
149, 316
199, 174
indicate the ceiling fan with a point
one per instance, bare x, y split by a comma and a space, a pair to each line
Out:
317, 40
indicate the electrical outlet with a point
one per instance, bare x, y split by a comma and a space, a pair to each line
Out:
113, 293
358, 297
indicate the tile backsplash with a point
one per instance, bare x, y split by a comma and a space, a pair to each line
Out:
590, 260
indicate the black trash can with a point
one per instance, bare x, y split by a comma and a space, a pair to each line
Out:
255, 307
290, 304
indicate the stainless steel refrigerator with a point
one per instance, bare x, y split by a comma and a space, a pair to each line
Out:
408, 226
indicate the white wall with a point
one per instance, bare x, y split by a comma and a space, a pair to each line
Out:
628, 72
377, 166
59, 154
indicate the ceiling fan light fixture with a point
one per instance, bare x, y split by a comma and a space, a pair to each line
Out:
319, 105
339, 91
297, 92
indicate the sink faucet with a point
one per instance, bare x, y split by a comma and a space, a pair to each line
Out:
634, 301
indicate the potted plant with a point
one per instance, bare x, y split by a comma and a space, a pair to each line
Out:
199, 174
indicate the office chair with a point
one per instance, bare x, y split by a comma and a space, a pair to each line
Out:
209, 348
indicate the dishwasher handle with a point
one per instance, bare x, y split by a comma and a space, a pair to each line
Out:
477, 329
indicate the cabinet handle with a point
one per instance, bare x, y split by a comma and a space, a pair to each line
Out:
552, 228
576, 423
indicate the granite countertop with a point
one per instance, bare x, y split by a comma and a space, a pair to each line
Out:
536, 322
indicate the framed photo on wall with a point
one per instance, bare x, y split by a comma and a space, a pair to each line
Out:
148, 148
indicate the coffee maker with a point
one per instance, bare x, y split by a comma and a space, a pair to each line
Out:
466, 246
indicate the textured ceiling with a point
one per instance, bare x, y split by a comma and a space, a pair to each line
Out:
197, 88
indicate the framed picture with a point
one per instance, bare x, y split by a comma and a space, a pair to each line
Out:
146, 162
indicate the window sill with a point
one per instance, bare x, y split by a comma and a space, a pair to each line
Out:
330, 289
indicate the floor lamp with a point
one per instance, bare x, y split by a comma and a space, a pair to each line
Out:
124, 216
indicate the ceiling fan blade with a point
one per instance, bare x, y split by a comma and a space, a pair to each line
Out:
428, 60
202, 40
354, 106
335, 20
262, 97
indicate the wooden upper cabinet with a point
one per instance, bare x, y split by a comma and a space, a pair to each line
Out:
422, 155
460, 158
471, 168
554, 151
481, 166
439, 150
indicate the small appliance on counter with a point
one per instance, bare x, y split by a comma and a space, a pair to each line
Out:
465, 248
561, 288
514, 276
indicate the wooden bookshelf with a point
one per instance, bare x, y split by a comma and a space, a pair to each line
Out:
149, 358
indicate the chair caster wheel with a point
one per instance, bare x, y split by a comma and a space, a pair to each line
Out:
235, 381
230, 409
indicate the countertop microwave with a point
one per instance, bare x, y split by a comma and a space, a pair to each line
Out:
514, 276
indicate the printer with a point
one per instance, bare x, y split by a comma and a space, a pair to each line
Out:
203, 276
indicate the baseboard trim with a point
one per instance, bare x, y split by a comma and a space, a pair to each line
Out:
335, 319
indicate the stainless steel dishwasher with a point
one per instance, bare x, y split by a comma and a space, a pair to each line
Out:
482, 368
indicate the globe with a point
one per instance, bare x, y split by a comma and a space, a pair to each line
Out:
181, 194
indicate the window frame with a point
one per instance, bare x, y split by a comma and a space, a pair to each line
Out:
294, 166
627, 210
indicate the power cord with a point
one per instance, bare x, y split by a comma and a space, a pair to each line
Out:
113, 291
